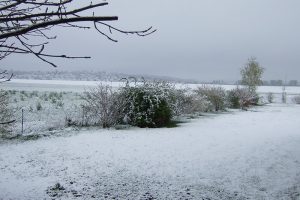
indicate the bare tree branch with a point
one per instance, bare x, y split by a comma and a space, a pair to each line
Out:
23, 20
31, 16
9, 122
32, 27
5, 76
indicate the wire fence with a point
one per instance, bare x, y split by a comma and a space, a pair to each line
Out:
29, 121
282, 97
49, 116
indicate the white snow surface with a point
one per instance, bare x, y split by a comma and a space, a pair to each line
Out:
66, 85
53, 85
234, 155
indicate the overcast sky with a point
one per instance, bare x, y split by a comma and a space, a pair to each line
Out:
197, 39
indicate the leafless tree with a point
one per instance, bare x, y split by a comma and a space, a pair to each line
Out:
25, 25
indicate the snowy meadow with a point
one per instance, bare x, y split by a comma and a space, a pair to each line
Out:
47, 104
236, 154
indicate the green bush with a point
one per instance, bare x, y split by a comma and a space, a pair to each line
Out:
162, 114
234, 99
147, 104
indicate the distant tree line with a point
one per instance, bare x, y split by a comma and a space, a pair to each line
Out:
277, 83
85, 75
281, 83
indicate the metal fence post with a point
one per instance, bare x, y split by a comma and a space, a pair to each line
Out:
22, 121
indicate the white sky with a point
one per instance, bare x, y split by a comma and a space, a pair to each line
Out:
197, 39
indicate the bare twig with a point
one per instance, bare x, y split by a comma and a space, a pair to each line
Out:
23, 20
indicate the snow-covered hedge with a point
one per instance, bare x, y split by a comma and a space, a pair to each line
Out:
143, 104
139, 103
153, 104
147, 104
241, 98
216, 96
185, 101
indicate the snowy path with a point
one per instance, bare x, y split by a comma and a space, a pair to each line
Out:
239, 155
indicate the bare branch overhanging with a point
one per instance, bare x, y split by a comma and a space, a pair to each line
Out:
23, 20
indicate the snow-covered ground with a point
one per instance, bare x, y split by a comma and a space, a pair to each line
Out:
235, 155
61, 100
77, 86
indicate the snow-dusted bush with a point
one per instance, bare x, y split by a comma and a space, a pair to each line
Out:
147, 104
188, 102
296, 99
234, 98
5, 113
102, 105
180, 101
76, 116
216, 96
241, 98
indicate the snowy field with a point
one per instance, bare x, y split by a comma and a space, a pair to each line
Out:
230, 155
54, 85
80, 86
235, 155
47, 104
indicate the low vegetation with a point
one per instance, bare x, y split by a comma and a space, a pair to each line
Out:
138, 103
215, 96
148, 104
241, 98
5, 113
101, 106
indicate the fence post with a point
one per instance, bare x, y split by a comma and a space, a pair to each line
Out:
22, 121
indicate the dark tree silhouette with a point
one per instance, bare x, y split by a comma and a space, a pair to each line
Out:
24, 22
